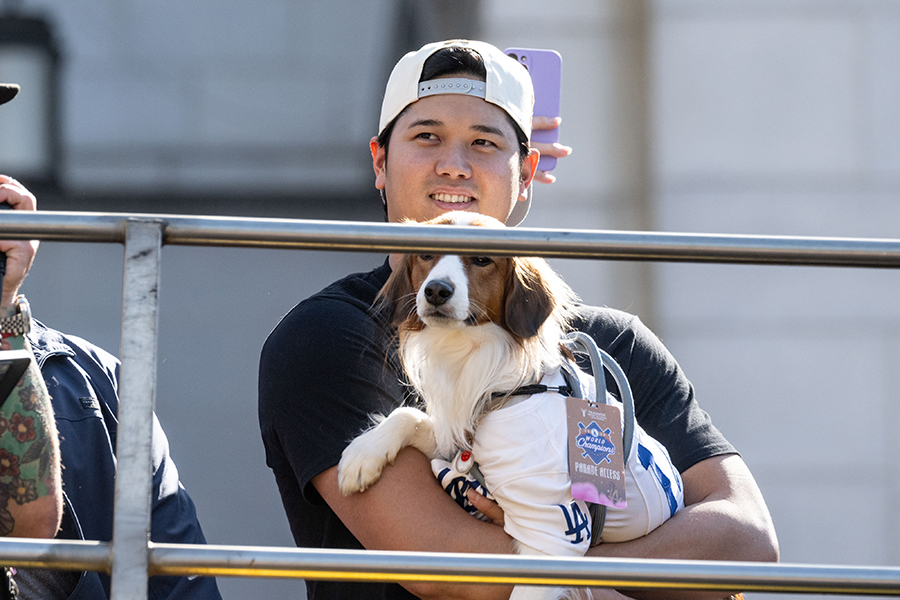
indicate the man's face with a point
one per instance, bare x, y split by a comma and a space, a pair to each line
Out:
451, 152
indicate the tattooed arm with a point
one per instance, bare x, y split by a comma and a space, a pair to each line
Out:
30, 485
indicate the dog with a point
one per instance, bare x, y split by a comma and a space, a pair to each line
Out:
472, 330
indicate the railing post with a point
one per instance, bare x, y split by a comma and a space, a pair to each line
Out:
131, 518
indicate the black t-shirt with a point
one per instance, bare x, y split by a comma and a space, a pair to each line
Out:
329, 364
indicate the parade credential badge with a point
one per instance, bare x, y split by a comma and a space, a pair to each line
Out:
596, 463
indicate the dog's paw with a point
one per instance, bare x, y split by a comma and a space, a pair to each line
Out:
366, 457
360, 468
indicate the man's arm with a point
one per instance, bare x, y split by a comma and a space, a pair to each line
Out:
724, 518
407, 510
30, 485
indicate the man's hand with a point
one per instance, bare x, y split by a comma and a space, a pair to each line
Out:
556, 150
19, 253
488, 508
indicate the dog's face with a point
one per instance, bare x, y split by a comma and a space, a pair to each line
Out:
429, 290
454, 291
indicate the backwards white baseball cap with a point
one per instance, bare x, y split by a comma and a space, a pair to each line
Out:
507, 85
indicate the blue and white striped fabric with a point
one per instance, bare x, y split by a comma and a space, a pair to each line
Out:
522, 452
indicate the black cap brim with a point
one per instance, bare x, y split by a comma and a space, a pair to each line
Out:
8, 91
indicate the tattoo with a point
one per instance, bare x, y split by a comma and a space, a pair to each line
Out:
27, 454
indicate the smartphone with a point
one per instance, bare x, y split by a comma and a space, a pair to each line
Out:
545, 68
13, 364
3, 206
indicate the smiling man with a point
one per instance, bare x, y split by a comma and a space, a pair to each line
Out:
453, 135
452, 152
457, 134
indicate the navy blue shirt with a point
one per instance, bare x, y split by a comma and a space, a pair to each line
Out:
82, 380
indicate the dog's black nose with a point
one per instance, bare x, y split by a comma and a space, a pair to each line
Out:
438, 291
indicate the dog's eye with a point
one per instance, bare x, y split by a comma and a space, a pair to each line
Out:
481, 261
426, 257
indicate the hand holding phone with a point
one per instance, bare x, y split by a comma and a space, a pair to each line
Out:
13, 363
19, 254
3, 206
545, 68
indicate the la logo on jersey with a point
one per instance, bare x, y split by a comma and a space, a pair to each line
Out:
578, 526
595, 442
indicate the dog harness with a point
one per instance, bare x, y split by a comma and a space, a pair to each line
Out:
575, 341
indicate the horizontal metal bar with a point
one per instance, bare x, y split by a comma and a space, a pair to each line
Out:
384, 237
72, 555
350, 565
367, 565
64, 226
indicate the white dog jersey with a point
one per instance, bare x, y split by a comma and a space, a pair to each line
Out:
521, 450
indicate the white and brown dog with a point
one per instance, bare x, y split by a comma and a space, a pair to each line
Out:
470, 328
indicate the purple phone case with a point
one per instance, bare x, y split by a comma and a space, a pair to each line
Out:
545, 67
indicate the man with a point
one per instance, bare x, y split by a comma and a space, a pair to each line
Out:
31, 494
82, 381
329, 364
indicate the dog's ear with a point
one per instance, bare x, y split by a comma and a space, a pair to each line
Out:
397, 299
529, 299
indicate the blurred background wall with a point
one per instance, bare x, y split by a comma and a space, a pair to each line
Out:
756, 117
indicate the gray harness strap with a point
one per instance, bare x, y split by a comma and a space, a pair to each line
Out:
577, 341
598, 511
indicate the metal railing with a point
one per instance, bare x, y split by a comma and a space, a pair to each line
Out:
129, 558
